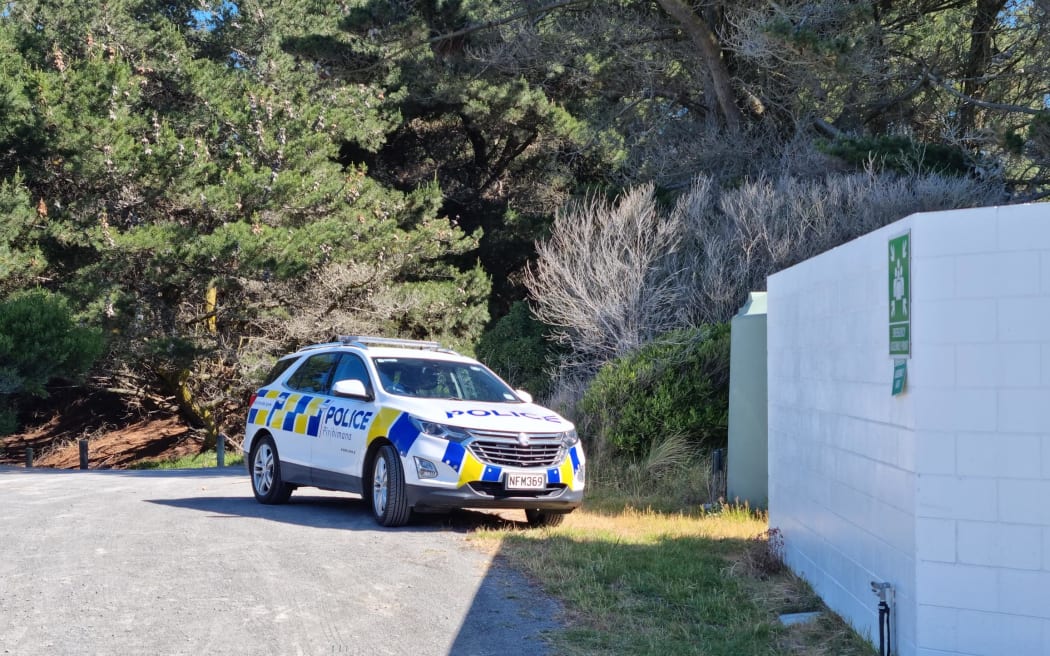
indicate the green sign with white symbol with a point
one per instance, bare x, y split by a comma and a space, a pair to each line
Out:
900, 295
900, 376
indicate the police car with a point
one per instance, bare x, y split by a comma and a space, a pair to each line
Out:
410, 426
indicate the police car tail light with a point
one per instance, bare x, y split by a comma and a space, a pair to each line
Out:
570, 438
443, 431
251, 401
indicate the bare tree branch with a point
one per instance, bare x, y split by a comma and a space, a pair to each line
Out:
486, 25
1003, 107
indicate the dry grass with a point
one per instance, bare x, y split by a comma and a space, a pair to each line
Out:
764, 555
642, 581
645, 526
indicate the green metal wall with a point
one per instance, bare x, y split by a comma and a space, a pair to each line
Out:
747, 476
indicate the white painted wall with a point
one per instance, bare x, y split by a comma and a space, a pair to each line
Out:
945, 490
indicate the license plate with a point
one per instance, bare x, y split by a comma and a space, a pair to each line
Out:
525, 481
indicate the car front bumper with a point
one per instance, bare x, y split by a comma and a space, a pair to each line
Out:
429, 498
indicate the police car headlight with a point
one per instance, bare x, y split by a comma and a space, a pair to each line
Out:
570, 438
435, 429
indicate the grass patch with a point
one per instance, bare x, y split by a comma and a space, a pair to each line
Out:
196, 461
647, 581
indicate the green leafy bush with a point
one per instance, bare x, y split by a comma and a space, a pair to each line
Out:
677, 385
902, 154
517, 348
38, 343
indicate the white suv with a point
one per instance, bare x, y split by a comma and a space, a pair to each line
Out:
409, 426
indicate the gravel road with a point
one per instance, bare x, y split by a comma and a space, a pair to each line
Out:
186, 562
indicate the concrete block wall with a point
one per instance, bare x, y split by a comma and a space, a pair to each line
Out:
841, 449
945, 490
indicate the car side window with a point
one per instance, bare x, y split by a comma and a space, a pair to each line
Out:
314, 374
278, 369
351, 366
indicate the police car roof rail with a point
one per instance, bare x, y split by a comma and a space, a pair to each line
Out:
363, 340
310, 347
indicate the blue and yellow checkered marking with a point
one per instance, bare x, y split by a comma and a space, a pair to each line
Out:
454, 454
403, 433
380, 427
300, 413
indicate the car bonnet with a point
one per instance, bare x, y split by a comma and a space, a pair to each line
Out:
512, 417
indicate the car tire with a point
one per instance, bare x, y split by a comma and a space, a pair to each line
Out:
538, 518
267, 484
389, 501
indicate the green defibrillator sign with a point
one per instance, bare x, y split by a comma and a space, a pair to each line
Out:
900, 295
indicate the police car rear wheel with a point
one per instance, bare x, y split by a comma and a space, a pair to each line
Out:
389, 503
538, 518
267, 484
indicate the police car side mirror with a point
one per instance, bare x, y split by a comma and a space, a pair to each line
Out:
351, 389
524, 396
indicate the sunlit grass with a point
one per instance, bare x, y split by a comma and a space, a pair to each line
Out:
195, 461
637, 580
644, 526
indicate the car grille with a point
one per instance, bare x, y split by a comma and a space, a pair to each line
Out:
505, 450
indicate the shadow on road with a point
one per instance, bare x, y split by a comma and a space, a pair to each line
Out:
232, 470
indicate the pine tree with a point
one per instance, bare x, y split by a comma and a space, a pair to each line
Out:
195, 202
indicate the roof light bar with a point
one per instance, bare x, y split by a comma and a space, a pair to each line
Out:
389, 341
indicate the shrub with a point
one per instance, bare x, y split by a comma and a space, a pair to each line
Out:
735, 238
38, 343
613, 275
902, 154
601, 278
518, 348
676, 385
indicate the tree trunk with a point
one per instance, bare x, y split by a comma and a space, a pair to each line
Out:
973, 83
176, 382
704, 37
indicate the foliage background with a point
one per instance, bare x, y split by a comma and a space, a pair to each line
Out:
675, 386
213, 183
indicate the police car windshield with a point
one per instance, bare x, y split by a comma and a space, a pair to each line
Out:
441, 379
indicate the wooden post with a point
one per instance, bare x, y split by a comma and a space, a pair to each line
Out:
83, 454
220, 450
211, 297
29, 457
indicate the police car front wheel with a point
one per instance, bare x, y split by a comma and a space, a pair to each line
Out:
389, 501
267, 484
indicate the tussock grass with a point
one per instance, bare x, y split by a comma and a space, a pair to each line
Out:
670, 478
638, 577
